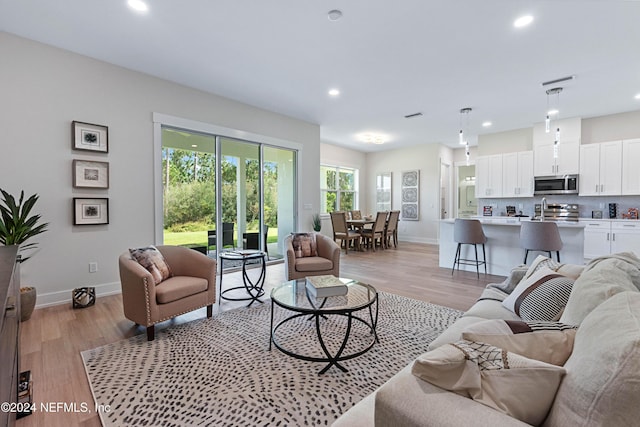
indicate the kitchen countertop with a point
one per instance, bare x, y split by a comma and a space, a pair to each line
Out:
515, 221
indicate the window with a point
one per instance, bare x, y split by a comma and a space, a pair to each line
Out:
338, 189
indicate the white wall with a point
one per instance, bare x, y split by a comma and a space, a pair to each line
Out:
611, 127
505, 142
427, 159
43, 90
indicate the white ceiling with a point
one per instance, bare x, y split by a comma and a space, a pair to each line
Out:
389, 59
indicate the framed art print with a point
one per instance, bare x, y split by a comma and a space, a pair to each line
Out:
90, 211
410, 207
90, 137
90, 174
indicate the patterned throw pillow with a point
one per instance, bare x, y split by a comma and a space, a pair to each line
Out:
151, 259
512, 384
304, 244
569, 270
541, 296
550, 342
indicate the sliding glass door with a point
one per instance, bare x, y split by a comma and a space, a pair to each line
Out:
253, 207
189, 188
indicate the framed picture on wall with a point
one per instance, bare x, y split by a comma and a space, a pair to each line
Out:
410, 207
90, 174
90, 137
90, 211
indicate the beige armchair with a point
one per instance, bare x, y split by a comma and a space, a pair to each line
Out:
192, 286
327, 261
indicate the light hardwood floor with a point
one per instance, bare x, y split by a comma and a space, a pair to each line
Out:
51, 341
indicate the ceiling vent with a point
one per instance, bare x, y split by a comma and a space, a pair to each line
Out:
410, 116
560, 80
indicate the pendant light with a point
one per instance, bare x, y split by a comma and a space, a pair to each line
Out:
547, 121
464, 112
463, 137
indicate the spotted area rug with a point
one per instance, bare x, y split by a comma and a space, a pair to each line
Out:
220, 371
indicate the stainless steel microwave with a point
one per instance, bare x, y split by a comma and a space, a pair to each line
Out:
562, 184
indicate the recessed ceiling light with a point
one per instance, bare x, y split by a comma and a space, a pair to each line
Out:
334, 15
637, 96
138, 5
486, 124
552, 112
334, 92
523, 21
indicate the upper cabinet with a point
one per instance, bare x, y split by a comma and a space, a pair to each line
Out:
517, 174
563, 158
600, 169
489, 176
631, 166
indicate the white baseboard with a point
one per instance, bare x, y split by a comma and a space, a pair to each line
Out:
414, 239
64, 297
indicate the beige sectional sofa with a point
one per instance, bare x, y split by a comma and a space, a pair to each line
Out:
601, 386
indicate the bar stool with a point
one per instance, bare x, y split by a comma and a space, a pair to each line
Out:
469, 232
540, 236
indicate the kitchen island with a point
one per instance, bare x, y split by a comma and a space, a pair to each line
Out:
503, 244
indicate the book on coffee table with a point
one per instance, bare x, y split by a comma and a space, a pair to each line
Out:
326, 286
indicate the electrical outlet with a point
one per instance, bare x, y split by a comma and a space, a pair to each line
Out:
93, 267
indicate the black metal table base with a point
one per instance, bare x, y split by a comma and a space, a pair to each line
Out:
339, 356
255, 289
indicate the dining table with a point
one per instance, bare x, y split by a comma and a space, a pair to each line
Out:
360, 223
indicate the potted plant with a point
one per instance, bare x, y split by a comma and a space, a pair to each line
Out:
317, 224
16, 227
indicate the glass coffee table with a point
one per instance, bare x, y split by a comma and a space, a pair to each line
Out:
345, 326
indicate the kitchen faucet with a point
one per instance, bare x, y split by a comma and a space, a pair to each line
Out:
542, 208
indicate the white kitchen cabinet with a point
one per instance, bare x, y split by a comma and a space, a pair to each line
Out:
566, 162
631, 167
597, 238
601, 169
517, 174
625, 236
489, 176
602, 237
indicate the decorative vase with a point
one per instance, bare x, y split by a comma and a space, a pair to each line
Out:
27, 302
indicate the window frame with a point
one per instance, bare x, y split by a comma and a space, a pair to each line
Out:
324, 190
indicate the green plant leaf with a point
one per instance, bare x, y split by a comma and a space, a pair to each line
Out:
16, 224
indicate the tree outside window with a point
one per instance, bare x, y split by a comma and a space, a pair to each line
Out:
338, 189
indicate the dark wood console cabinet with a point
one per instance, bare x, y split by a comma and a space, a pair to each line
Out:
9, 330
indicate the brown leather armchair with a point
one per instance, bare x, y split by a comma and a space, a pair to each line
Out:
192, 286
327, 261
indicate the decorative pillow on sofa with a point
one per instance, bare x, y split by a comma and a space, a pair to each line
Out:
512, 384
603, 278
151, 259
601, 385
549, 342
304, 244
541, 296
569, 270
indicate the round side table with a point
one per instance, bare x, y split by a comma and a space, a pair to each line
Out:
254, 288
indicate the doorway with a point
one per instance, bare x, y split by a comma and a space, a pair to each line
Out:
221, 194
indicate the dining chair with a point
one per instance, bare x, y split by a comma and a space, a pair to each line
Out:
342, 232
375, 233
356, 214
391, 229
